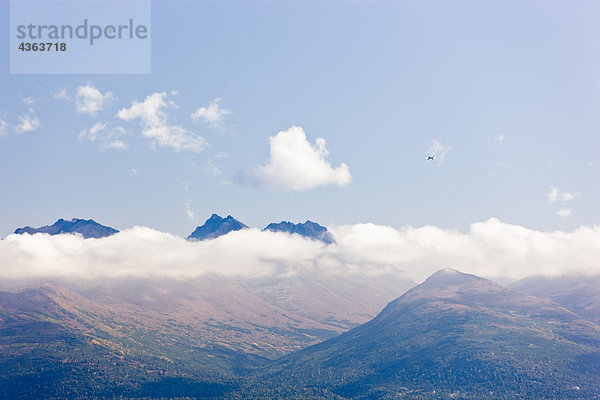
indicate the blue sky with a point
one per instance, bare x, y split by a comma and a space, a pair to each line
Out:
511, 88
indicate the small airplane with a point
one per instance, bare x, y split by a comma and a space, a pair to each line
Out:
430, 158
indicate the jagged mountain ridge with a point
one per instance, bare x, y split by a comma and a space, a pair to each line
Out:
307, 229
214, 227
88, 228
217, 226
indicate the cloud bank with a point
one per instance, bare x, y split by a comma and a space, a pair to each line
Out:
491, 248
295, 164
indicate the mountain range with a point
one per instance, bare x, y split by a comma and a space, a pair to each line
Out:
309, 336
135, 337
217, 226
214, 227
87, 228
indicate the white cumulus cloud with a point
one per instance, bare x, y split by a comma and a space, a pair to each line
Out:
108, 138
296, 164
214, 114
28, 100
92, 133
28, 122
62, 94
155, 126
555, 196
3, 127
89, 100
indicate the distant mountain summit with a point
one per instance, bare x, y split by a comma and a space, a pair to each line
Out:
216, 226
88, 228
308, 229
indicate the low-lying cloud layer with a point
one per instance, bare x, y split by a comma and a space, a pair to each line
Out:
491, 248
